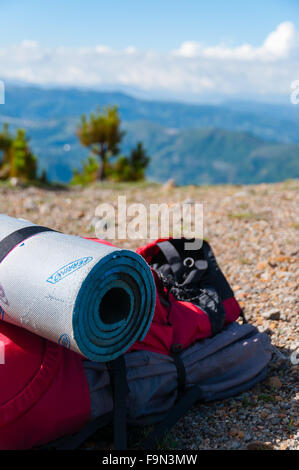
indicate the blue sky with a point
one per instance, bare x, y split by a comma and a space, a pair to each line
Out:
192, 50
147, 24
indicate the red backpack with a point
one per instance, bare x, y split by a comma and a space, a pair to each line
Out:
194, 299
46, 393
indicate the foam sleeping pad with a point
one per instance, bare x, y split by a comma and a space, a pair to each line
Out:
93, 298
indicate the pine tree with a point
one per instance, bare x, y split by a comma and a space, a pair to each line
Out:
6, 140
24, 163
101, 133
89, 172
138, 161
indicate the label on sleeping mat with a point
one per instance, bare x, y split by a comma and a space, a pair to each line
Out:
69, 269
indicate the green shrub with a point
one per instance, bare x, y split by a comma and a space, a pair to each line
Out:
89, 172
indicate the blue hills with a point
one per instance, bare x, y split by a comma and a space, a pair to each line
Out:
232, 142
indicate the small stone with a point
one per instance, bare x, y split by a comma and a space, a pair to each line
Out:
290, 298
44, 209
30, 205
266, 330
261, 266
235, 445
275, 382
241, 194
273, 314
275, 421
257, 445
284, 446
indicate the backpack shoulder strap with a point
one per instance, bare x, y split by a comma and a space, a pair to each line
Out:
173, 258
118, 377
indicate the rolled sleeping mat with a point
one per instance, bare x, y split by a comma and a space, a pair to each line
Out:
93, 298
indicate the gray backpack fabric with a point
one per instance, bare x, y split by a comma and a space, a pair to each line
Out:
145, 388
219, 367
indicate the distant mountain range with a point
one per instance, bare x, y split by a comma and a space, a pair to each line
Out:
235, 142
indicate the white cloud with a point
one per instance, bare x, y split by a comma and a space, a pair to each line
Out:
278, 45
192, 70
282, 41
130, 50
103, 50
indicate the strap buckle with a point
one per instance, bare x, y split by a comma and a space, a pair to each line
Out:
189, 262
176, 348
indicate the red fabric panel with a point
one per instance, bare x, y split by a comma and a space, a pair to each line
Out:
232, 309
45, 394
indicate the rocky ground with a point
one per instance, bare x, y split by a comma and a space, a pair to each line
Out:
254, 233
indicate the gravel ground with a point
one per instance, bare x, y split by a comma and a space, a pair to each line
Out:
254, 233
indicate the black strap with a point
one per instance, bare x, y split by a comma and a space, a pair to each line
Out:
12, 240
173, 257
177, 267
196, 274
117, 370
211, 303
180, 367
179, 410
243, 316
